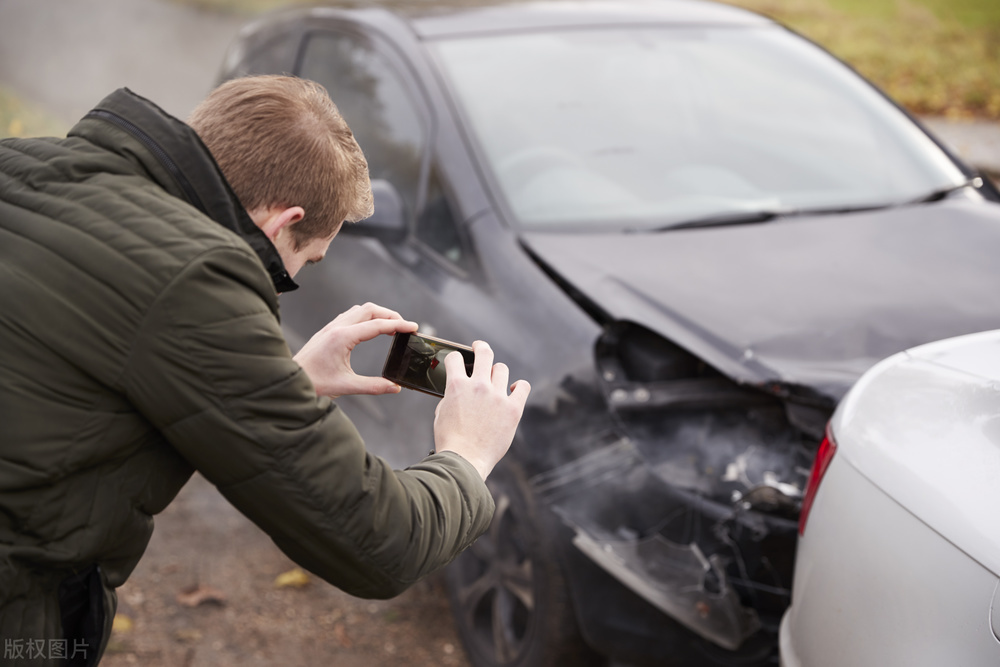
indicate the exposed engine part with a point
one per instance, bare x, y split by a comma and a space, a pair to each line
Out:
623, 515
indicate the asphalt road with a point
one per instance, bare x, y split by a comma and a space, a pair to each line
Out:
66, 55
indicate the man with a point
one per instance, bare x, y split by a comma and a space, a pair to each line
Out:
140, 263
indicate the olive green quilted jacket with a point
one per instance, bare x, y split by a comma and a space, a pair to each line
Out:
139, 341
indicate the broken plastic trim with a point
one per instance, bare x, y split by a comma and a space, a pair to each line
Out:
672, 578
678, 579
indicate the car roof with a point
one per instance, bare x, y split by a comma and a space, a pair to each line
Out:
442, 22
522, 16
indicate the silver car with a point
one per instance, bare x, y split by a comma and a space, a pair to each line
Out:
899, 554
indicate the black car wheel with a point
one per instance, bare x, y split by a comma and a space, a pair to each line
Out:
507, 592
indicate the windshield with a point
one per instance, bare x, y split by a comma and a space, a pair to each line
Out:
642, 128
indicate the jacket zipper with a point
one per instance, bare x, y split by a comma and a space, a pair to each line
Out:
156, 150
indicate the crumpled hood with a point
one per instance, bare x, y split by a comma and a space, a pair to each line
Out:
811, 301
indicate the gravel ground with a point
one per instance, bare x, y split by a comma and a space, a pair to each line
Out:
205, 594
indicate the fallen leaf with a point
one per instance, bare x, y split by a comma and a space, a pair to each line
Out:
187, 635
122, 623
192, 597
340, 633
295, 578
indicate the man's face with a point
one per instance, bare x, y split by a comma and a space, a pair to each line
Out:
309, 252
276, 223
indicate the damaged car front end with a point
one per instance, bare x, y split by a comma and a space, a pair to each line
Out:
668, 479
661, 483
688, 495
674, 494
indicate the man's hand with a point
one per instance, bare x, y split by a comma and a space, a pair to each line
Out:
326, 358
477, 418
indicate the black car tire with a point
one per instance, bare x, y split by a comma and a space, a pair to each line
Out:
507, 591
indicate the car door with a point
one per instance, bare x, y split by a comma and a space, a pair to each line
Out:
392, 122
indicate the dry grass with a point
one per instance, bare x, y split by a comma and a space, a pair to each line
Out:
933, 58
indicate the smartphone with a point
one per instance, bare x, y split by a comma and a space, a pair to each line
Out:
416, 362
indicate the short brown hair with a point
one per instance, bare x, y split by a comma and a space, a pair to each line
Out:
280, 141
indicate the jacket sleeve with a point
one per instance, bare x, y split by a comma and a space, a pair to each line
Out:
212, 372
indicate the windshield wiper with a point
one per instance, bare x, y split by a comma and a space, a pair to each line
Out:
722, 219
766, 215
940, 193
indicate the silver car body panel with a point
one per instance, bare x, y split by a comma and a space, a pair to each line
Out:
924, 427
900, 560
876, 587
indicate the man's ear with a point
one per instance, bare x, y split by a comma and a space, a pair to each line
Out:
273, 220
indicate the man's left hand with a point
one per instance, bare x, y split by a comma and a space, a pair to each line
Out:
326, 358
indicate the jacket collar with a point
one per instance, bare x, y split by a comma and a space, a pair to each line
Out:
193, 173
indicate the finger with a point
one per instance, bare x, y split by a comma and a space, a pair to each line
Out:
364, 384
483, 365
454, 368
519, 393
347, 317
369, 311
376, 311
500, 377
363, 331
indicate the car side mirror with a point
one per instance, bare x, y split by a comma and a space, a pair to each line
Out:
388, 222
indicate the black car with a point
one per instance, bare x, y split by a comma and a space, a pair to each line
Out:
691, 230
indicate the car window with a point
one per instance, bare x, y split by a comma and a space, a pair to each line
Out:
436, 226
275, 56
376, 105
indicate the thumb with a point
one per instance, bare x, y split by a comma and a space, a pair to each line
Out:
374, 386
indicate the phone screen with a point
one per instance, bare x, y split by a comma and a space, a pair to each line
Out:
416, 362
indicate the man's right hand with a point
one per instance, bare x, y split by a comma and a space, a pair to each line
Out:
477, 418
